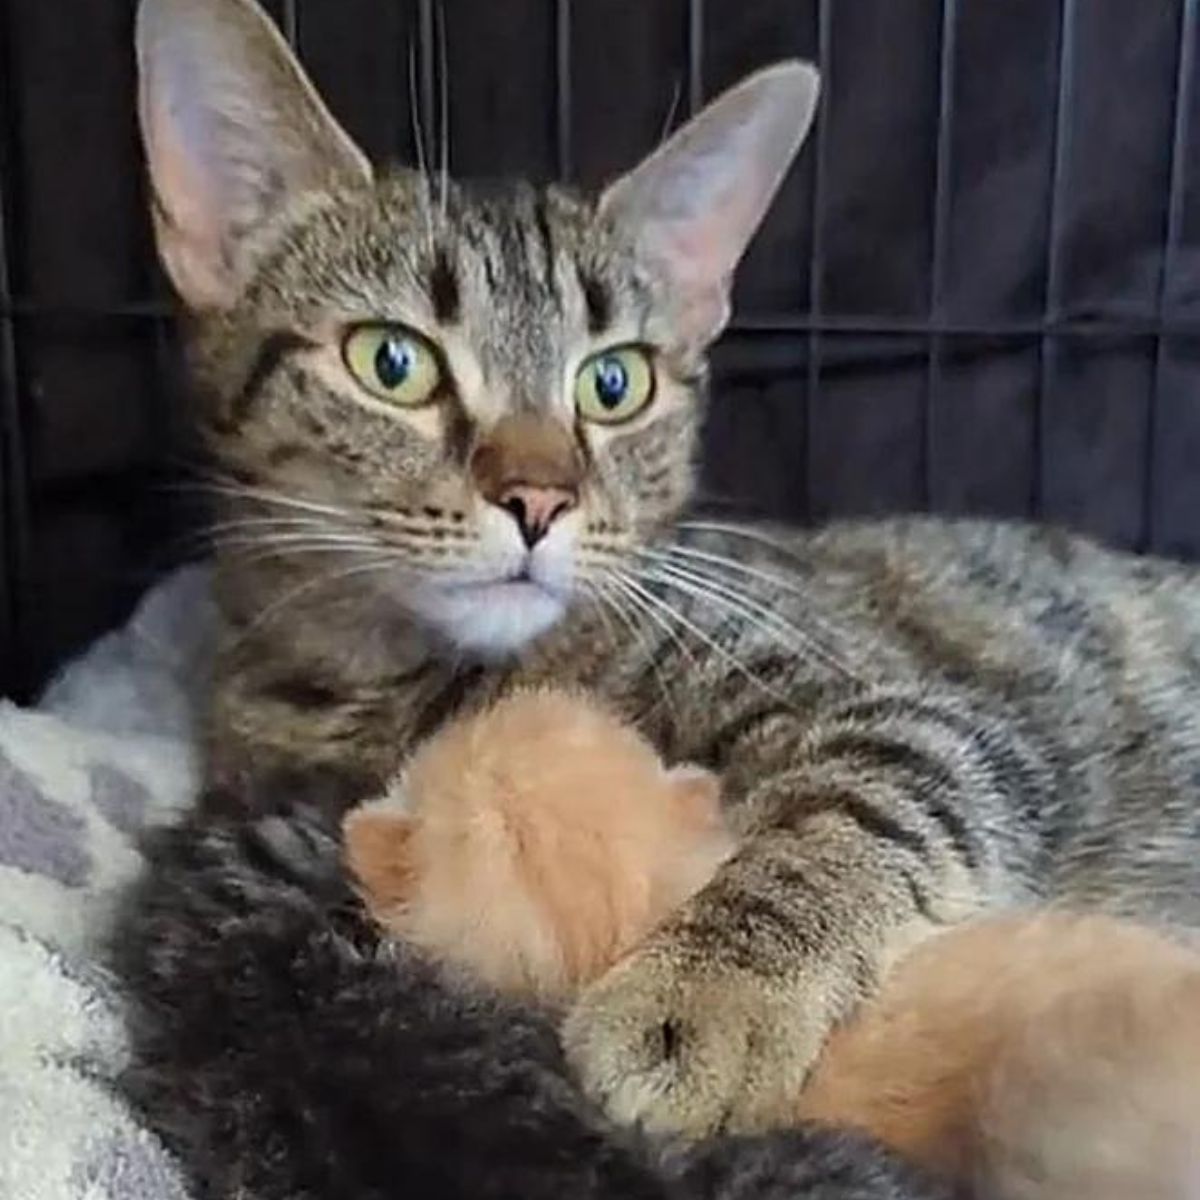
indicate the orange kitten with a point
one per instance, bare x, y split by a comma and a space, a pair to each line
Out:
1036, 1057
535, 842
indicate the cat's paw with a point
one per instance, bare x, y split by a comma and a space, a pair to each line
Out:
677, 1042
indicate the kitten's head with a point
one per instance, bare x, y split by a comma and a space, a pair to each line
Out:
484, 399
536, 841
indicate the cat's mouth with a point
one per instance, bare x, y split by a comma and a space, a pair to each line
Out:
495, 617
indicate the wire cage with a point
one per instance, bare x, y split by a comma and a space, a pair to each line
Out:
975, 294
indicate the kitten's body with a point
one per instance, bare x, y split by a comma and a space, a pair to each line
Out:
1008, 713
1045, 1057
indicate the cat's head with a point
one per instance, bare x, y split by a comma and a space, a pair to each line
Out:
482, 399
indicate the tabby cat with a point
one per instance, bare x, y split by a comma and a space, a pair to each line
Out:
457, 428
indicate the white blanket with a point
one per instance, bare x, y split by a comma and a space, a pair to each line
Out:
108, 751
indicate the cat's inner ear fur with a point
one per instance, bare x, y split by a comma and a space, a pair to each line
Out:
692, 207
234, 133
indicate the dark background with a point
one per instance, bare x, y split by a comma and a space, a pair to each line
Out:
978, 293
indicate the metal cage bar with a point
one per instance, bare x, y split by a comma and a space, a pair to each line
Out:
14, 494
816, 259
941, 235
1136, 324
427, 80
1052, 307
291, 23
695, 56
563, 91
1172, 238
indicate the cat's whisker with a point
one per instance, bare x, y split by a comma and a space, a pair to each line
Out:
672, 108
418, 133
210, 537
749, 534
639, 636
444, 115
754, 611
728, 657
623, 584
755, 617
267, 523
260, 495
215, 535
602, 606
771, 579
255, 549
309, 585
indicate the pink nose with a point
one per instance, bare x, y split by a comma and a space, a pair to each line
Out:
535, 508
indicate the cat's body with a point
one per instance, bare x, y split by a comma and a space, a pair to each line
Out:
457, 432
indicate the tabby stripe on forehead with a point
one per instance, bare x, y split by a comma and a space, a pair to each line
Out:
598, 301
443, 289
271, 354
542, 218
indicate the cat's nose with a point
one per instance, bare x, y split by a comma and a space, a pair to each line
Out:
536, 508
530, 466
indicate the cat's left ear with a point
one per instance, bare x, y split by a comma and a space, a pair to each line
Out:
234, 133
694, 204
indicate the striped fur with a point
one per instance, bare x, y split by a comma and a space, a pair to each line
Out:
916, 720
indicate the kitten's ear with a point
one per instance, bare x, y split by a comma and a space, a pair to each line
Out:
233, 131
696, 792
378, 838
694, 204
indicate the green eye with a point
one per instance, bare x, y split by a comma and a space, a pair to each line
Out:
614, 386
393, 363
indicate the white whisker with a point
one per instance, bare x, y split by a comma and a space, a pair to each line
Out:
255, 549
750, 535
639, 635
726, 656
290, 597
444, 115
832, 637
704, 585
238, 491
418, 132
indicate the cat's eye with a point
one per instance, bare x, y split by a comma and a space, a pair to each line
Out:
393, 363
615, 385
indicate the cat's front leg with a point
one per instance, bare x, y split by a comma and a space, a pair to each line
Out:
867, 845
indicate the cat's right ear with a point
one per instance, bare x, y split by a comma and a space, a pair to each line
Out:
692, 207
234, 132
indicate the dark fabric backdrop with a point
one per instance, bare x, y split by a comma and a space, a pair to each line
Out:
976, 294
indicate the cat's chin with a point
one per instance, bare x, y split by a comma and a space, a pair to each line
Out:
493, 620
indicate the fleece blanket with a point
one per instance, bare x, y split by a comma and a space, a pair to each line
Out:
107, 752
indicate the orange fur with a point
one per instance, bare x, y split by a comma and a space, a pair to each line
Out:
1035, 1057
1043, 1056
535, 842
